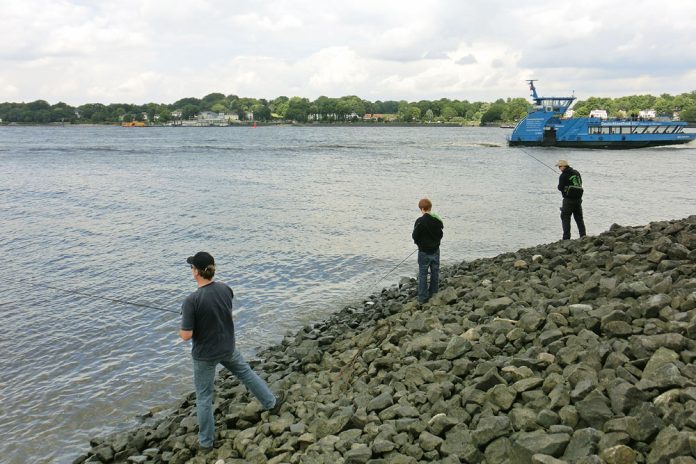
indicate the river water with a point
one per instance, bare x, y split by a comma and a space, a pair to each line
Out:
301, 220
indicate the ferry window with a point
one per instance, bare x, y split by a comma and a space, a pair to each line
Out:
606, 130
626, 130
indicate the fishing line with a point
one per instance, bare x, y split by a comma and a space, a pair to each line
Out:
115, 300
157, 308
537, 159
392, 270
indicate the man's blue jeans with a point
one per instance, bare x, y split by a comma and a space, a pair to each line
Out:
204, 378
428, 261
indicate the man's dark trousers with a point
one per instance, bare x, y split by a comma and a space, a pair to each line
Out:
572, 208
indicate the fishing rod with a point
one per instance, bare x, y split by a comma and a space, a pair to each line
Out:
535, 158
115, 300
392, 270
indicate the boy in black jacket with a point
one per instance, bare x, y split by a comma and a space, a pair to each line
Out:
427, 234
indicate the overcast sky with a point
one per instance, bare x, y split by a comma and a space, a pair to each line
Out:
139, 51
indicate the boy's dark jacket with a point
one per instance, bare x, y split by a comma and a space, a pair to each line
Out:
427, 233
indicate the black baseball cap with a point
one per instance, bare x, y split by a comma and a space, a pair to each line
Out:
201, 260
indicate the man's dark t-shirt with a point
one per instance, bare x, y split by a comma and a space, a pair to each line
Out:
208, 312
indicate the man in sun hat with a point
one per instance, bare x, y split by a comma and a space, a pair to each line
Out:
206, 317
570, 185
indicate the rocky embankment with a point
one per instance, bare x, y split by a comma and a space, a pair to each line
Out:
579, 351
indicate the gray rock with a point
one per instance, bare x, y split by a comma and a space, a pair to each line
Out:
523, 419
358, 455
456, 347
380, 402
441, 423
546, 418
502, 396
530, 322
669, 443
104, 453
398, 458
499, 450
583, 442
540, 442
549, 336
459, 442
496, 305
490, 428
140, 459
489, 380
546, 459
527, 384
661, 357
623, 396
428, 441
655, 303
594, 409
383, 446
617, 329
569, 416
446, 296
663, 377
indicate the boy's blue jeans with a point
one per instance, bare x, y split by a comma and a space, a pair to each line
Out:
427, 262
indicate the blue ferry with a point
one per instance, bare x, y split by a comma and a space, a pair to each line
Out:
545, 125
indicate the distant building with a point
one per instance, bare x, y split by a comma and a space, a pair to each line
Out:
210, 118
321, 117
647, 114
601, 114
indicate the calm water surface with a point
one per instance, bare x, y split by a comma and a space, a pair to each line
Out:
301, 220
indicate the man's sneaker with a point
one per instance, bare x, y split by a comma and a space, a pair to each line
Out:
280, 399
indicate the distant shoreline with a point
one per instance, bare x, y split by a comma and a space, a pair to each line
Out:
689, 125
265, 124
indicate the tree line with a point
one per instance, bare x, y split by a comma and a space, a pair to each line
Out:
326, 109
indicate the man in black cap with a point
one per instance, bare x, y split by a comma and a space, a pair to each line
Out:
206, 317
570, 185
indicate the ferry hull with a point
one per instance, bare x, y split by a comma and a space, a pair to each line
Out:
598, 144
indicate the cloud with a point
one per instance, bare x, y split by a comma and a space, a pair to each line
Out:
157, 50
467, 59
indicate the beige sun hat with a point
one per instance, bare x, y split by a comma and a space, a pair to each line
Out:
562, 163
